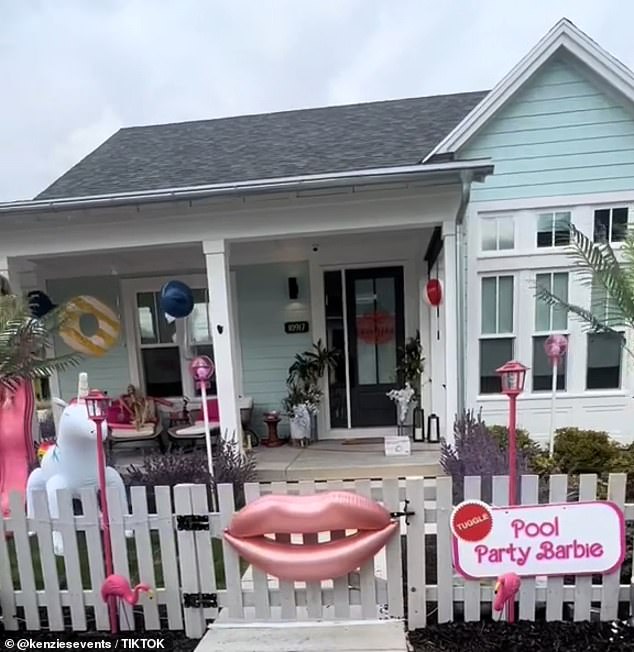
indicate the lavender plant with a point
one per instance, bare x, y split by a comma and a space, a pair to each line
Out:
475, 451
231, 466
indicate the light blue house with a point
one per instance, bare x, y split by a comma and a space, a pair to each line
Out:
328, 223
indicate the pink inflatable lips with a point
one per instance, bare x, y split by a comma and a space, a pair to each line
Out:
336, 510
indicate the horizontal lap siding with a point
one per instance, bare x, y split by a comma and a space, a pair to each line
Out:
267, 351
110, 373
561, 135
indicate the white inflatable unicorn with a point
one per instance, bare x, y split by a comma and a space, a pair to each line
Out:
72, 464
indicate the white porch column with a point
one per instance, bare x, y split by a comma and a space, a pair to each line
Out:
450, 298
221, 318
6, 281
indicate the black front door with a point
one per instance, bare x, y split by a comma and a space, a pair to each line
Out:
376, 331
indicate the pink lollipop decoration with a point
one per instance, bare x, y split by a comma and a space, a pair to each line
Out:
202, 368
555, 347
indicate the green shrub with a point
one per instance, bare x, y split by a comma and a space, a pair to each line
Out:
524, 442
584, 451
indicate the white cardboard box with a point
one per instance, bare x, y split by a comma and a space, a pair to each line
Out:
398, 445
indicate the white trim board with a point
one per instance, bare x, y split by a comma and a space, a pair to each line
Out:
564, 35
548, 203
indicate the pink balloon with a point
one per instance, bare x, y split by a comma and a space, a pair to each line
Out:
283, 514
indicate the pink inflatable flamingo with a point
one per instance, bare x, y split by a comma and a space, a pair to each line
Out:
506, 589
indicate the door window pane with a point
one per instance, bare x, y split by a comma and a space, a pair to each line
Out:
542, 369
162, 371
375, 301
386, 348
604, 361
364, 298
335, 340
493, 354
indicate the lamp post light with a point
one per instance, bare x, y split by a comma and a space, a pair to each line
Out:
512, 375
97, 406
202, 369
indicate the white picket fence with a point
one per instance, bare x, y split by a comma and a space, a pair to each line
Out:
40, 591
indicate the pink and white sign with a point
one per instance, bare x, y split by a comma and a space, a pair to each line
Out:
556, 539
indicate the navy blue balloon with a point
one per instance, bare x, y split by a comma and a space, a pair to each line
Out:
40, 303
177, 299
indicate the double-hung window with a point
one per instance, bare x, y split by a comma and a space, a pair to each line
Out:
497, 233
605, 350
165, 346
553, 229
610, 224
549, 319
496, 329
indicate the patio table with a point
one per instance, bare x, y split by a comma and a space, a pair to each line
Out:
193, 432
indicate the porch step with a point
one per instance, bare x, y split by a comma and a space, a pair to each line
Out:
320, 636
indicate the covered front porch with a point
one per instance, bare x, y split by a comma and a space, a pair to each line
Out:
270, 275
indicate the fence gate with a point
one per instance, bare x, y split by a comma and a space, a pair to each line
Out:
217, 585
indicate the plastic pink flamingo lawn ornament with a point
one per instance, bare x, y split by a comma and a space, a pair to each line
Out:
506, 589
117, 586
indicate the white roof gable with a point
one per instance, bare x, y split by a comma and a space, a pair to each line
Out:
563, 35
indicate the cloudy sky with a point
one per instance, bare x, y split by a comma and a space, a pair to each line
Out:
73, 71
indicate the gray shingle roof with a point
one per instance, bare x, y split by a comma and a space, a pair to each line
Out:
289, 143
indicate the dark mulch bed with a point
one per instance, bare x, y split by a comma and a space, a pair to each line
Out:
171, 641
529, 636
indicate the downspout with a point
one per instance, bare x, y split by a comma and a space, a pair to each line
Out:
461, 283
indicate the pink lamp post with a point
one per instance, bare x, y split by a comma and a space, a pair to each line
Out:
202, 369
97, 406
512, 375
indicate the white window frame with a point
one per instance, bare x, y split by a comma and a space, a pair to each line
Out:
499, 335
129, 289
553, 213
497, 219
550, 331
611, 208
621, 330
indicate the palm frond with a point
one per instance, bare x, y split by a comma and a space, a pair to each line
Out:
597, 264
24, 341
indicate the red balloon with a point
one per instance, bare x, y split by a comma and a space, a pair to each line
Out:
433, 292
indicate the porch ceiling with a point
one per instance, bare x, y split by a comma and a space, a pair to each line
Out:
189, 258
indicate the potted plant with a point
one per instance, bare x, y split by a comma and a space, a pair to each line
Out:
304, 391
410, 370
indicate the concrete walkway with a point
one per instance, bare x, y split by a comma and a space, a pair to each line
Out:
335, 460
350, 636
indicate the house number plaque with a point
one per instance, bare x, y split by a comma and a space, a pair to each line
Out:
292, 327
